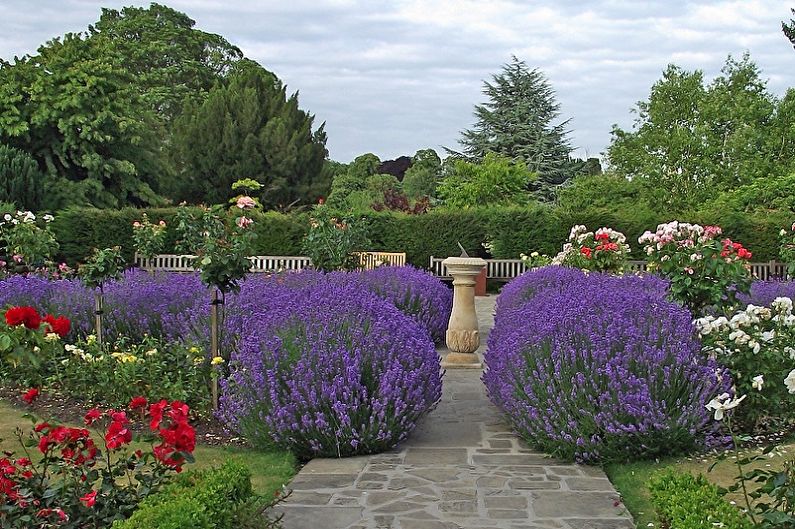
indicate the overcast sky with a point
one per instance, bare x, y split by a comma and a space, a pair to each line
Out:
392, 77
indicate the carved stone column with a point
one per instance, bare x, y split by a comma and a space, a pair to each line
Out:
462, 331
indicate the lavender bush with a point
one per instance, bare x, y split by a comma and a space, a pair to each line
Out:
596, 367
763, 293
138, 305
416, 293
331, 371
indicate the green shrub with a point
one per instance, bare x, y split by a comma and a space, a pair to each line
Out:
684, 501
207, 499
510, 230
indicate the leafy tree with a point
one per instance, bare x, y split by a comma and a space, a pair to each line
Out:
75, 109
519, 121
171, 60
606, 191
248, 128
496, 181
21, 181
353, 180
423, 176
692, 139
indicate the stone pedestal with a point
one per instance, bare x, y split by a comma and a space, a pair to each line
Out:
462, 331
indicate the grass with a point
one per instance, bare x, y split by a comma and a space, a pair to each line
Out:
630, 478
270, 470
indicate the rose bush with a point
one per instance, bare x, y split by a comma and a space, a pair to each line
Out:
705, 271
605, 250
757, 344
148, 238
26, 336
332, 241
29, 242
74, 480
594, 367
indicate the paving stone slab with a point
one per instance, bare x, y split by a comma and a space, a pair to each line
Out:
462, 468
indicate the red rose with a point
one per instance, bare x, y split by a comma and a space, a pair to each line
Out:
26, 316
30, 395
586, 252
156, 413
60, 325
138, 402
89, 499
92, 416
117, 435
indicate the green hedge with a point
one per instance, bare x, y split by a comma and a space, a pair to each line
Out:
684, 501
510, 231
195, 500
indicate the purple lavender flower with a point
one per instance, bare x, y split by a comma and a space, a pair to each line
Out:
328, 370
597, 367
764, 292
416, 293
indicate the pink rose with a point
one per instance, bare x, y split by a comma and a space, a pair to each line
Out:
245, 202
244, 222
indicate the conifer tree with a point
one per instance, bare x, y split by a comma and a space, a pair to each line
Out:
520, 121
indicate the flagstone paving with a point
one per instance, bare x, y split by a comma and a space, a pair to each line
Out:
461, 468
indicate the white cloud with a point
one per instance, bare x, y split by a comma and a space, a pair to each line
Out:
392, 77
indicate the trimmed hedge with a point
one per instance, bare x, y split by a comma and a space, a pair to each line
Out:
509, 230
684, 501
195, 500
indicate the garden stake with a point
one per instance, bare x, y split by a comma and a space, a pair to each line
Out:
214, 341
98, 303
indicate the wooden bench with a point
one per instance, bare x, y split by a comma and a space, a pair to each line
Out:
497, 269
265, 263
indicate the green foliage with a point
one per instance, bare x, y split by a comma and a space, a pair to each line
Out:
149, 238
201, 500
249, 128
21, 180
761, 195
517, 121
112, 374
787, 249
223, 255
423, 176
436, 233
332, 241
516, 230
685, 501
76, 108
606, 191
691, 139
495, 181
349, 188
103, 265
171, 60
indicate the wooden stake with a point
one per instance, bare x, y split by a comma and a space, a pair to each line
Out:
98, 308
214, 322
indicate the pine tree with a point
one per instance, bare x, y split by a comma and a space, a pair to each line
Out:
518, 121
21, 181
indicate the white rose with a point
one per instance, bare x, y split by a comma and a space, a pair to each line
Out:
758, 382
790, 382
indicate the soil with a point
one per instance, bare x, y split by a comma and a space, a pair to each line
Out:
67, 409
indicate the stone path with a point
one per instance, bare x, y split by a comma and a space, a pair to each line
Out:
462, 468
